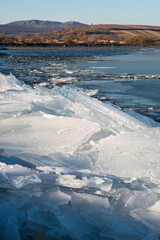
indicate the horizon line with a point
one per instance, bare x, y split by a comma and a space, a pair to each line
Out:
82, 22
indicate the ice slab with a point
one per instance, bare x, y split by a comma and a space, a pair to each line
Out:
130, 154
111, 119
17, 176
40, 133
9, 83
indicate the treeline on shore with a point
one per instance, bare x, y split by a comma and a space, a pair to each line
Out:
137, 41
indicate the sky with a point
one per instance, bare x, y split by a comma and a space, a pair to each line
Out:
141, 12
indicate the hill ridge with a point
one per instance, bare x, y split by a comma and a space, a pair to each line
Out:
34, 26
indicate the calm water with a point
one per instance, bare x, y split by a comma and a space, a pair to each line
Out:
127, 77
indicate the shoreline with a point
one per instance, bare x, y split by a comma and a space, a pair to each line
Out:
33, 47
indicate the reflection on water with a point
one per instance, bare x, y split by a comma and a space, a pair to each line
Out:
128, 77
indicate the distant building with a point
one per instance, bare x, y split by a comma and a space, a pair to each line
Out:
112, 41
103, 41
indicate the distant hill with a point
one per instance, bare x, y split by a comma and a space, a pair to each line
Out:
72, 33
105, 32
30, 28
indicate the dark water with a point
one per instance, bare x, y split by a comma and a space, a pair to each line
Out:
128, 77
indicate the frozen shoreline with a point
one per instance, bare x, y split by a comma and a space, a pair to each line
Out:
72, 167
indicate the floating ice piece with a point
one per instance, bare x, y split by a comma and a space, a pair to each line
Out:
65, 80
91, 92
68, 71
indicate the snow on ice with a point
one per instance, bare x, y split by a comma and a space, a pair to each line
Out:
72, 167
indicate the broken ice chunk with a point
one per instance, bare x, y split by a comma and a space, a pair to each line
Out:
18, 176
71, 181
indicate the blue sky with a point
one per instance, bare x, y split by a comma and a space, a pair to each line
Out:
86, 11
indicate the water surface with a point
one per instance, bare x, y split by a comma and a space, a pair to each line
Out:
128, 77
